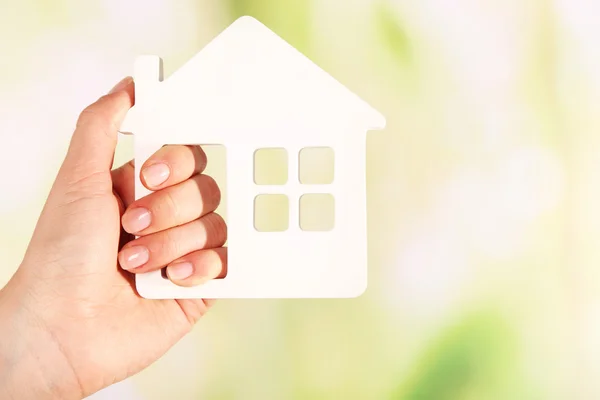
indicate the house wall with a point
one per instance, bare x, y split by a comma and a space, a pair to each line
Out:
296, 259
286, 263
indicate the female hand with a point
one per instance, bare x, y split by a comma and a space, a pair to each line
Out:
72, 320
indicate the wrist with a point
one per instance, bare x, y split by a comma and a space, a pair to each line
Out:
31, 364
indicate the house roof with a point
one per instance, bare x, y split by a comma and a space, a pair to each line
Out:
251, 71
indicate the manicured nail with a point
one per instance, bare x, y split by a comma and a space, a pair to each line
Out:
133, 257
156, 174
136, 220
121, 85
180, 271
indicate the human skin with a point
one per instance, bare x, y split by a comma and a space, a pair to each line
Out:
72, 322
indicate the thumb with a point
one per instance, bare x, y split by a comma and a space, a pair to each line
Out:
92, 147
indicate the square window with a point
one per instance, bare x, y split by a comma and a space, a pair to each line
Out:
317, 212
270, 166
316, 165
271, 213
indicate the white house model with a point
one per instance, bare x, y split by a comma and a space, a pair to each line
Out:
250, 90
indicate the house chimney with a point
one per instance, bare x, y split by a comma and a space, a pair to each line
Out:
148, 72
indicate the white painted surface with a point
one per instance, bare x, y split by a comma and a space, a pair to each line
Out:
249, 89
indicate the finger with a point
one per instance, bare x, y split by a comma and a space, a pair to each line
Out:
172, 164
93, 143
173, 206
152, 252
122, 179
194, 309
198, 267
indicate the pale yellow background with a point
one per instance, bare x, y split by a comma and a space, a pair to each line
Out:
483, 191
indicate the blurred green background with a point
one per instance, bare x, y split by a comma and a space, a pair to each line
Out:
482, 192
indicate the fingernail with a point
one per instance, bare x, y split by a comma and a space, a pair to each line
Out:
121, 85
133, 257
136, 220
156, 174
180, 271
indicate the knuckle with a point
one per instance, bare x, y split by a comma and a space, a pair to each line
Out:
198, 157
216, 262
167, 205
211, 191
89, 115
95, 117
216, 229
85, 186
168, 247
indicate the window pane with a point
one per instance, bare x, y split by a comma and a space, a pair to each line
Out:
316, 165
317, 212
270, 166
271, 213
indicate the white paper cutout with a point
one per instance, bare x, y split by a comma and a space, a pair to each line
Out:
248, 89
